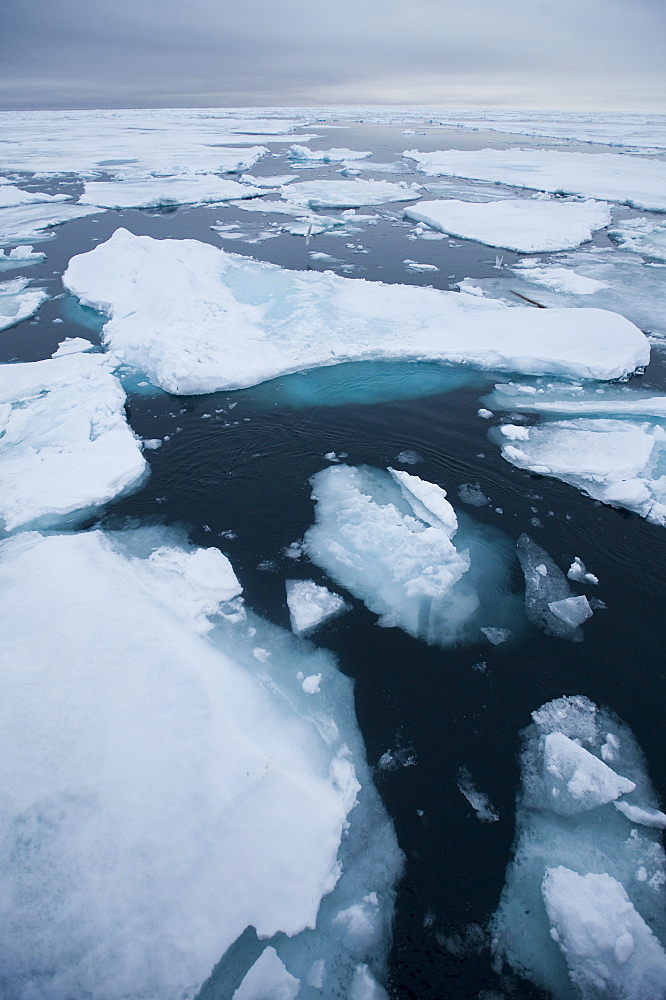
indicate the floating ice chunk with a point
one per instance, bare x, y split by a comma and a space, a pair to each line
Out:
348, 194
310, 605
479, 801
181, 311
414, 265
66, 445
157, 191
299, 153
409, 457
34, 222
608, 176
572, 610
575, 780
643, 236
365, 987
522, 224
609, 949
575, 400
72, 345
274, 181
496, 635
484, 413
19, 257
545, 585
17, 302
10, 196
645, 817
427, 500
472, 494
268, 979
251, 812
559, 279
578, 572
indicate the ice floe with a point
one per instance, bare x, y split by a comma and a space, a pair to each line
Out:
549, 601
478, 800
158, 191
388, 538
644, 236
303, 153
528, 225
26, 223
311, 605
10, 196
578, 572
19, 257
263, 830
18, 302
65, 444
582, 911
640, 183
348, 194
196, 319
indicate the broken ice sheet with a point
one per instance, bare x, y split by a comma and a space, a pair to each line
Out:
348, 193
20, 256
311, 605
256, 805
303, 153
18, 302
644, 236
196, 319
547, 593
32, 223
157, 191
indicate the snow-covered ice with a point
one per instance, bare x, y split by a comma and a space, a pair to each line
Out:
388, 538
640, 183
311, 605
644, 236
303, 153
578, 572
65, 444
547, 593
528, 225
167, 794
158, 191
18, 302
72, 345
584, 882
31, 223
348, 194
20, 256
197, 319
10, 196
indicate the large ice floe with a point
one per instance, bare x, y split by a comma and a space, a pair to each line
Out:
18, 302
175, 806
31, 223
348, 193
161, 191
196, 319
582, 912
528, 225
608, 176
612, 446
393, 540
65, 445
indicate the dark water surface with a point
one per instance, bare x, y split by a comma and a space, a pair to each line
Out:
234, 471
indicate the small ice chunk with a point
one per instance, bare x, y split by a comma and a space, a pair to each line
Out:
572, 610
479, 801
409, 457
18, 302
578, 572
311, 684
152, 443
545, 584
261, 654
303, 153
484, 413
72, 345
643, 815
575, 780
310, 605
268, 979
496, 635
472, 494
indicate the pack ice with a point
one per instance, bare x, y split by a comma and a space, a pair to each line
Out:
18, 302
65, 445
582, 910
528, 225
172, 804
606, 448
31, 223
628, 180
197, 319
388, 538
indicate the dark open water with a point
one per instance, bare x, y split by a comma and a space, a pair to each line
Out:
245, 470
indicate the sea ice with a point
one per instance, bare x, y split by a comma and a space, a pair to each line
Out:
72, 345
348, 194
65, 444
19, 257
387, 537
525, 224
578, 572
583, 884
10, 196
33, 222
196, 319
172, 807
157, 191
479, 801
18, 302
310, 605
302, 153
545, 585
572, 610
644, 236
640, 183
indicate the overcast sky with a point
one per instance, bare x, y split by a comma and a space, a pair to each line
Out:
206, 53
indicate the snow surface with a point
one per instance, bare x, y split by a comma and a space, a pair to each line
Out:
583, 883
310, 605
65, 444
196, 319
31, 223
157, 191
525, 224
18, 302
348, 194
166, 794
640, 183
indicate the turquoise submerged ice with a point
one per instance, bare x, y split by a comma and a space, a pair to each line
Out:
582, 912
175, 801
393, 540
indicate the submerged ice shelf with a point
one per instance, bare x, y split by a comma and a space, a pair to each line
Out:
263, 813
196, 319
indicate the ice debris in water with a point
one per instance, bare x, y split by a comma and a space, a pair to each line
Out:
549, 601
582, 911
10, 196
644, 236
302, 153
479, 801
527, 225
18, 302
408, 457
34, 222
578, 572
311, 605
472, 494
259, 832
65, 444
19, 257
164, 191
348, 194
197, 319
496, 636
72, 345
388, 537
